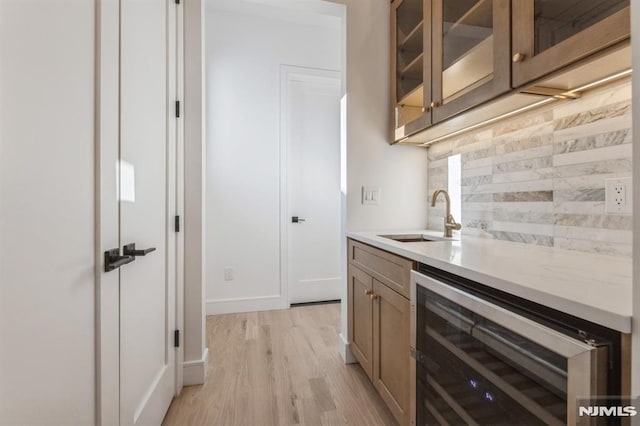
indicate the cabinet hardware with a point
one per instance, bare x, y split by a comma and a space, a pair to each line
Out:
518, 57
434, 104
373, 296
368, 292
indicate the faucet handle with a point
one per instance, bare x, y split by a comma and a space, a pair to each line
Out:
451, 223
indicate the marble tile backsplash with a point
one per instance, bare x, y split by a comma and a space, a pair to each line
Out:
540, 178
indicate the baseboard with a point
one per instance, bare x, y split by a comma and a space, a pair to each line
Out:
195, 372
345, 351
250, 304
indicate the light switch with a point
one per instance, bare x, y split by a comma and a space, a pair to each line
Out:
370, 196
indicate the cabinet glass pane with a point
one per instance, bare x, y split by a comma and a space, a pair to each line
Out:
467, 48
409, 60
557, 20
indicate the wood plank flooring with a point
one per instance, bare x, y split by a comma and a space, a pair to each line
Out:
279, 368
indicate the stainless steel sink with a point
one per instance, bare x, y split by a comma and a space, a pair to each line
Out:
414, 238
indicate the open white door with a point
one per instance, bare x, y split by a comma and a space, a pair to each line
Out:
312, 126
147, 195
137, 322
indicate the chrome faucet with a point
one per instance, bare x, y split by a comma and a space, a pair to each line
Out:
449, 222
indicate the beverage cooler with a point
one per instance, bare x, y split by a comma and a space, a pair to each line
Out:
483, 357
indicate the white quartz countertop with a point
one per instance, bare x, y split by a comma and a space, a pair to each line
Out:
594, 287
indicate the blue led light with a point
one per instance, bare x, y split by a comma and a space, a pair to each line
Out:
473, 384
488, 396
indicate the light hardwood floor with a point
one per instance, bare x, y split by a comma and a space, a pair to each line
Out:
279, 368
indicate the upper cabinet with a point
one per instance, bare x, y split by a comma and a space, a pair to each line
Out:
470, 63
481, 59
411, 63
551, 34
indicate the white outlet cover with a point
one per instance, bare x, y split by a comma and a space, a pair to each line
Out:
228, 274
618, 196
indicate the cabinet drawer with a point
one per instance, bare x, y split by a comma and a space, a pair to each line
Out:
391, 270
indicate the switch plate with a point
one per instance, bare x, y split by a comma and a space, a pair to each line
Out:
228, 274
370, 196
619, 195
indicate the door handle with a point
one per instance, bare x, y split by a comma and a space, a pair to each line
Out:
296, 219
113, 260
130, 250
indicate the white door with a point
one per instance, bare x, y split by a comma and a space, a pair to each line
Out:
312, 126
147, 201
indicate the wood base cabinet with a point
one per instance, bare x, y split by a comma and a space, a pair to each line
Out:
379, 321
360, 313
391, 361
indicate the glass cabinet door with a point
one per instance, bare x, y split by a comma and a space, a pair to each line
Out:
411, 63
553, 33
471, 59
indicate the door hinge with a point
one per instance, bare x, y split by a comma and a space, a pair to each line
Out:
176, 224
176, 339
177, 109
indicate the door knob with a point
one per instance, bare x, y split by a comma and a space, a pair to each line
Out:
368, 292
296, 219
113, 260
373, 296
130, 250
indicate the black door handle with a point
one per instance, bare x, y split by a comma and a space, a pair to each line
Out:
296, 219
130, 250
113, 260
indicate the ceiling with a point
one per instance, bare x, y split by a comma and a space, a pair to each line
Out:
309, 12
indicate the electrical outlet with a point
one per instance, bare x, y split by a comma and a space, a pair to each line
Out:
228, 274
370, 196
618, 195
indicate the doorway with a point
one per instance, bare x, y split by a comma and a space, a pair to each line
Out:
310, 192
249, 45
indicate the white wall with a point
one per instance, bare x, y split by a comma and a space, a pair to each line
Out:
47, 326
244, 53
195, 351
399, 171
635, 37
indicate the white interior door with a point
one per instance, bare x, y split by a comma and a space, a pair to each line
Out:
313, 186
147, 202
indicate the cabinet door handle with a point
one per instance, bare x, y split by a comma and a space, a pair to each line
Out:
434, 104
519, 57
368, 292
373, 296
